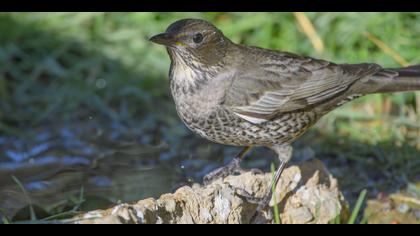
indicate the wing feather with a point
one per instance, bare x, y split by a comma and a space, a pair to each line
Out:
285, 82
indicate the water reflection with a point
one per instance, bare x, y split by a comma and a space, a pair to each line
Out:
58, 161
117, 162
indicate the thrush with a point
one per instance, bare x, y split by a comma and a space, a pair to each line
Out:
249, 96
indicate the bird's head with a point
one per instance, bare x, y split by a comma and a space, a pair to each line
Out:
194, 40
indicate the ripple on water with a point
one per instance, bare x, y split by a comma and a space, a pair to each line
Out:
16, 156
43, 136
75, 160
37, 185
20, 156
100, 181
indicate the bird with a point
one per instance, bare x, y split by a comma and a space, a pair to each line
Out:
248, 96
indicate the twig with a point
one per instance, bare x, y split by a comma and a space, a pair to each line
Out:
386, 49
405, 199
310, 31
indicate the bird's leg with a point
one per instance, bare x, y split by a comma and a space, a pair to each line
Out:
284, 154
264, 203
232, 168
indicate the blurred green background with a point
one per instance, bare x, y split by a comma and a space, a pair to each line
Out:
95, 78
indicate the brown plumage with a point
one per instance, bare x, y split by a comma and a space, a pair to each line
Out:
249, 96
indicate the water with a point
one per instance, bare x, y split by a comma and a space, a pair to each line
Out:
117, 163
58, 161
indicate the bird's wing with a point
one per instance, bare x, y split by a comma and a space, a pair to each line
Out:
284, 82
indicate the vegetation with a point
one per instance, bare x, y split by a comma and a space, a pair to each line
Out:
71, 68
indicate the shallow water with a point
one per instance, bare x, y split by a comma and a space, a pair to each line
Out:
115, 162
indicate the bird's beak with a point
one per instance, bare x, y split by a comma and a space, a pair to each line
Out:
163, 38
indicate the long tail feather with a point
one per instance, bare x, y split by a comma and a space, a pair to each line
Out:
396, 80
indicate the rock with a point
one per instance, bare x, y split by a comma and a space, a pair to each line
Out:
314, 195
306, 193
397, 208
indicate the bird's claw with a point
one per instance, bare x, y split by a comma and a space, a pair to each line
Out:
262, 213
233, 168
221, 173
247, 196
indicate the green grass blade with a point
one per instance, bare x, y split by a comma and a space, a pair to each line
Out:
80, 200
74, 211
273, 189
5, 221
31, 208
357, 207
364, 220
59, 216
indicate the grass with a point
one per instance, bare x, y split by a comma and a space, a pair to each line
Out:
70, 67
273, 189
62, 215
356, 210
31, 208
53, 64
4, 220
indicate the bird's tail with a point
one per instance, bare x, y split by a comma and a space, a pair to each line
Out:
395, 80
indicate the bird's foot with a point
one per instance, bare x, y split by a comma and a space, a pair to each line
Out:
233, 168
262, 213
248, 197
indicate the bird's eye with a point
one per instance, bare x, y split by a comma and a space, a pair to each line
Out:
198, 38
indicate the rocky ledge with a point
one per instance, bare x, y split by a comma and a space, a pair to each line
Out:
306, 193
